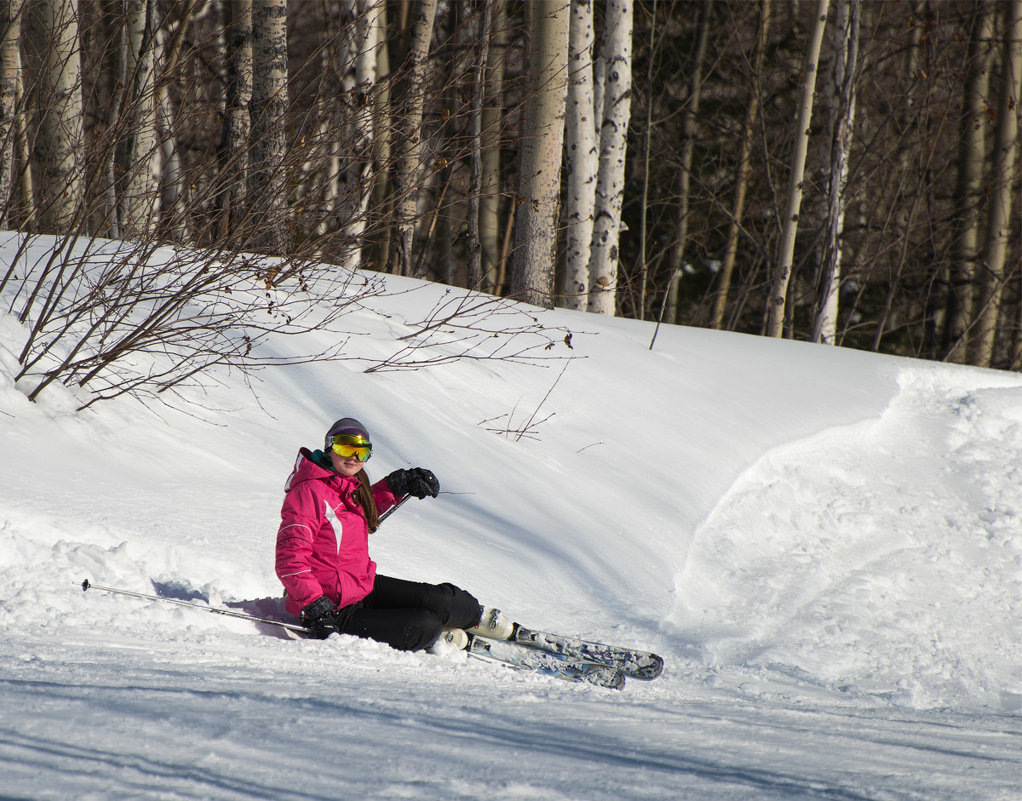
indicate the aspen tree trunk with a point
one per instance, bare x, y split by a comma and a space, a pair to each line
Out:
59, 142
581, 155
409, 168
971, 161
115, 59
10, 69
141, 199
24, 151
267, 185
744, 174
475, 245
490, 141
237, 119
1000, 220
383, 125
532, 263
172, 181
358, 173
332, 128
786, 251
688, 133
841, 109
610, 184
907, 172
647, 141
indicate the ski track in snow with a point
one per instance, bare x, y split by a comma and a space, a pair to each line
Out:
822, 544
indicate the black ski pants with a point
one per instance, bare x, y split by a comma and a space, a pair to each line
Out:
408, 615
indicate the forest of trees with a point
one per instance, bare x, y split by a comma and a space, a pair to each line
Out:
841, 171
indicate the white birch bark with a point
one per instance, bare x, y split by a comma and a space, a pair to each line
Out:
359, 170
786, 250
383, 125
972, 153
581, 155
532, 263
610, 183
59, 142
1000, 222
409, 168
841, 110
490, 142
140, 201
267, 198
170, 41
475, 244
26, 183
10, 68
237, 116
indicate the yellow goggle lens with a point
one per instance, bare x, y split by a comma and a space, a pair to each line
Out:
347, 445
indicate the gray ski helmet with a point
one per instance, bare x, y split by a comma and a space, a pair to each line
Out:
346, 425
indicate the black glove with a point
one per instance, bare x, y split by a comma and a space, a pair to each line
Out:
318, 618
417, 481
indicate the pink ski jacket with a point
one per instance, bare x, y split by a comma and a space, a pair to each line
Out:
323, 539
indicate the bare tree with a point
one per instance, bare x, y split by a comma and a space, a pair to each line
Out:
408, 167
361, 131
743, 173
1005, 160
475, 244
610, 183
490, 143
688, 132
581, 156
382, 140
539, 171
10, 69
840, 128
53, 39
267, 185
141, 196
237, 118
971, 159
786, 250
972, 155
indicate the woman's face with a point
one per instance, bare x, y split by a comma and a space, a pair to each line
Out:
345, 465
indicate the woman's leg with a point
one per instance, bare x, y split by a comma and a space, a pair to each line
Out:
403, 629
409, 615
456, 608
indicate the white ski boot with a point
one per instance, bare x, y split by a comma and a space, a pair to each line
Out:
494, 624
451, 641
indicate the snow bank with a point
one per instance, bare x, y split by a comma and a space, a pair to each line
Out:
881, 557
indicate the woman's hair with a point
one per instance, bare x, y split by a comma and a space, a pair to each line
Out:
364, 496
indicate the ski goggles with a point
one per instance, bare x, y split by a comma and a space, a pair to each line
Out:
347, 445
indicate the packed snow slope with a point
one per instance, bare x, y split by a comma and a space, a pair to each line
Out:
823, 544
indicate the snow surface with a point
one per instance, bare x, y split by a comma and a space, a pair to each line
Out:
823, 544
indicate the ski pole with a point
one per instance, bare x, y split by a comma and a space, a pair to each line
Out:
87, 585
393, 508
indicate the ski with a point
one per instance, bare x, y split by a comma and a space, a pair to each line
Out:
550, 664
632, 662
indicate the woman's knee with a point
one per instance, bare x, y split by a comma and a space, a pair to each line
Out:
421, 629
463, 610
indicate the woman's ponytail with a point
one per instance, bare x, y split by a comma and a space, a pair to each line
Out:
364, 496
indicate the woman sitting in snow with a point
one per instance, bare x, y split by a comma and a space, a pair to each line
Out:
323, 549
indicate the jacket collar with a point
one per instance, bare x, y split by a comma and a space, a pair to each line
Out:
310, 467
